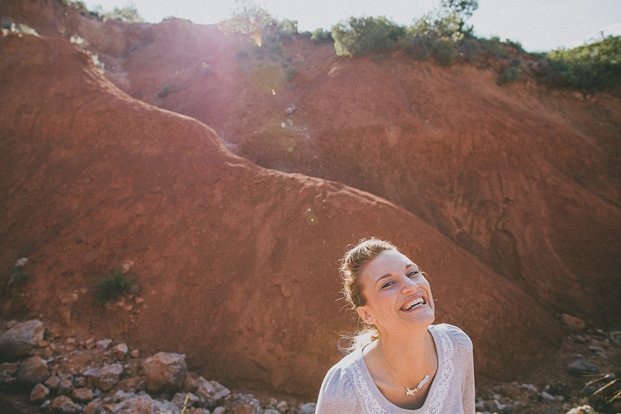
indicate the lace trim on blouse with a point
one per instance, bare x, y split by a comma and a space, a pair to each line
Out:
436, 399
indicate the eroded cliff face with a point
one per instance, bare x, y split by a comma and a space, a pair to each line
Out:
507, 197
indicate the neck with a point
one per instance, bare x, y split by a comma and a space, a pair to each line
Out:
408, 353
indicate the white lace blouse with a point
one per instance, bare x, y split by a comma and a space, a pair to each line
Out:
348, 387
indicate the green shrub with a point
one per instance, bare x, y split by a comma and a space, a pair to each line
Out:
494, 47
590, 67
164, 91
321, 35
445, 51
511, 74
288, 26
361, 36
419, 47
112, 287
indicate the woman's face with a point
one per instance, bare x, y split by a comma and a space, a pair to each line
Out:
396, 292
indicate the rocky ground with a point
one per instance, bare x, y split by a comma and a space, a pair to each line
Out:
45, 371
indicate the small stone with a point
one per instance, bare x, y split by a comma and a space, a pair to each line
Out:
579, 339
190, 384
596, 349
273, 402
308, 408
271, 411
70, 341
138, 300
90, 343
212, 392
52, 382
126, 266
32, 371
94, 408
219, 410
290, 110
134, 353
63, 404
572, 321
43, 343
144, 404
80, 382
21, 262
120, 351
68, 298
104, 344
547, 396
105, 377
65, 386
241, 404
581, 367
82, 394
128, 308
7, 374
39, 393
282, 406
180, 399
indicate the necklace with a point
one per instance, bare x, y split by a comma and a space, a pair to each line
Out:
408, 391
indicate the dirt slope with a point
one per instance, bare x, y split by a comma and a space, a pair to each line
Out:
524, 178
234, 273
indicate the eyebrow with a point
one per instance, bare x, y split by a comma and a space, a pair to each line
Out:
390, 274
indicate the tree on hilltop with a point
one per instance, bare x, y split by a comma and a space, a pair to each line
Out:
462, 8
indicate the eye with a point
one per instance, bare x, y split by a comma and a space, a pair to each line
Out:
388, 284
413, 273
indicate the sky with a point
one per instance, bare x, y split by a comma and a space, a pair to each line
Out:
539, 25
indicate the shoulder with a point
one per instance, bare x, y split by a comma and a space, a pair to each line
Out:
458, 337
337, 392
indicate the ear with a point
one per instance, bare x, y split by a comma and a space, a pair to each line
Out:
366, 315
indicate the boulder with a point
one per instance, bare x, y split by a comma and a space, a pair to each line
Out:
165, 371
39, 393
20, 339
211, 392
105, 377
241, 404
32, 371
64, 405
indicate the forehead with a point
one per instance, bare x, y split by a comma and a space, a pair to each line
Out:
387, 262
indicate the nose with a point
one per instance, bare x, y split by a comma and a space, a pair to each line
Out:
409, 285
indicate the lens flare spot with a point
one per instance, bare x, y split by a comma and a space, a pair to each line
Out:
256, 35
312, 220
273, 92
290, 149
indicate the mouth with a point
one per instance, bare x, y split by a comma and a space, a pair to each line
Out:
414, 304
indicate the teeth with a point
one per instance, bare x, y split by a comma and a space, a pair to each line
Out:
411, 304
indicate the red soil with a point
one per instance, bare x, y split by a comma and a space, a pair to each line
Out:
507, 196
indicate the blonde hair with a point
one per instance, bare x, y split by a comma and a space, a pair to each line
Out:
353, 264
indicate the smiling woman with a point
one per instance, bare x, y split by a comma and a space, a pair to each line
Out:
401, 363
